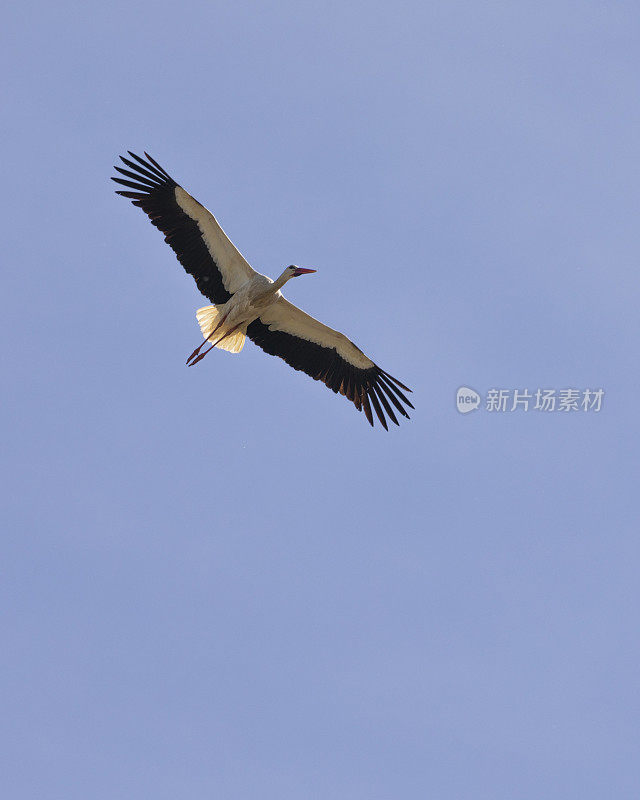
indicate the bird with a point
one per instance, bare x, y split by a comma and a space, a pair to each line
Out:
246, 303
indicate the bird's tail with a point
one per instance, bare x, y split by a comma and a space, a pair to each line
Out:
208, 318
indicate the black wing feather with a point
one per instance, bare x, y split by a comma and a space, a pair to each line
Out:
363, 387
155, 195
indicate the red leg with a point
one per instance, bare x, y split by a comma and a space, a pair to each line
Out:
202, 355
197, 350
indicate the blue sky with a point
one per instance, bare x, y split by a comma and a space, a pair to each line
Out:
219, 581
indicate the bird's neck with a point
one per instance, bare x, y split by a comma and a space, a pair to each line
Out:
280, 282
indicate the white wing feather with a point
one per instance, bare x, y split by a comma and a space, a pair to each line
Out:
284, 316
234, 268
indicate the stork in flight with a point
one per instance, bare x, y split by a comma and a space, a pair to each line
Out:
247, 303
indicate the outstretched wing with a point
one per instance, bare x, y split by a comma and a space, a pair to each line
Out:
194, 234
326, 355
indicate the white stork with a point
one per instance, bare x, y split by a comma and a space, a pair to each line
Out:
247, 303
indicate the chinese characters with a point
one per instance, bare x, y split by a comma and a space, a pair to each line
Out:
544, 400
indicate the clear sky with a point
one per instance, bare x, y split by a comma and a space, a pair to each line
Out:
219, 582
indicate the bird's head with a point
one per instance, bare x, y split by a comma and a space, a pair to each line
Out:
295, 272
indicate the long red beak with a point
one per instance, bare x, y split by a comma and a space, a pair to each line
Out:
302, 271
